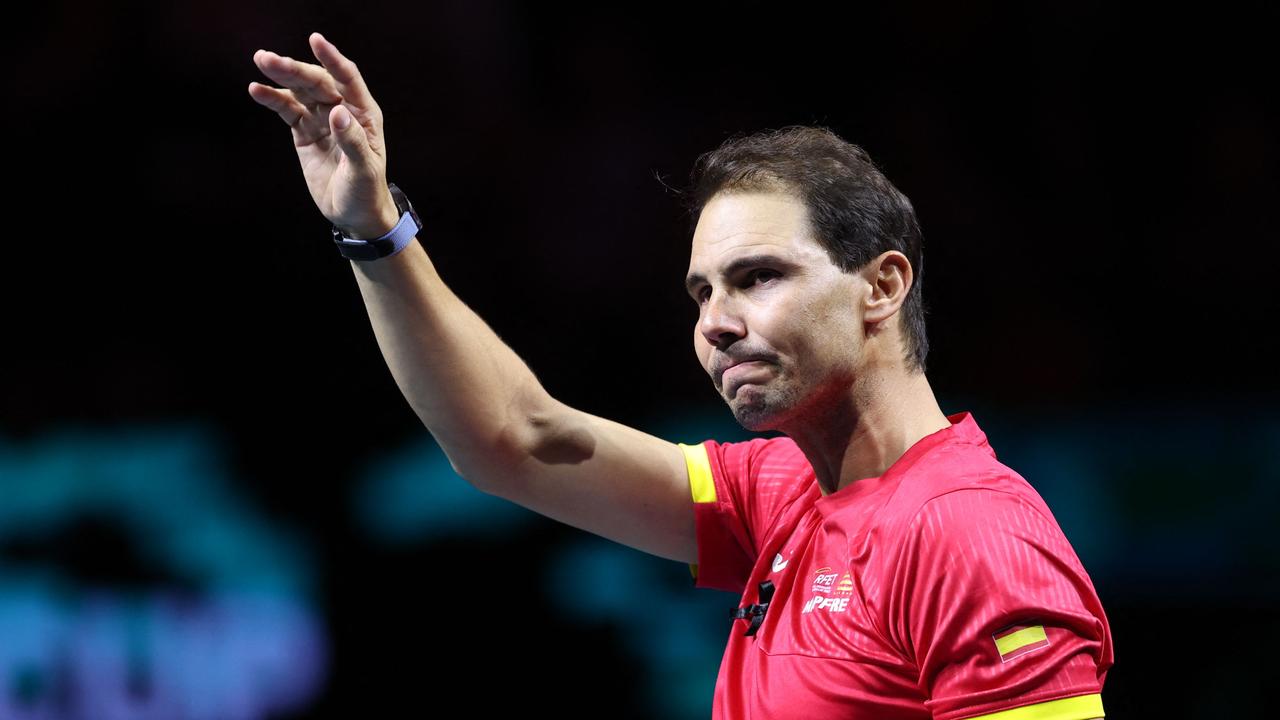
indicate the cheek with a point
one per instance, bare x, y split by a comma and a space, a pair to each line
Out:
830, 331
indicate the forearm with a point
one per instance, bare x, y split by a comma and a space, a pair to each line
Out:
475, 395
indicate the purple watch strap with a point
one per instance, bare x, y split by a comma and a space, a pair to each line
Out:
393, 242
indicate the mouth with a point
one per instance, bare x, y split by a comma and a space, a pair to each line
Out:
743, 373
719, 373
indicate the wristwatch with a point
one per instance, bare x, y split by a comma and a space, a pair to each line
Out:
393, 242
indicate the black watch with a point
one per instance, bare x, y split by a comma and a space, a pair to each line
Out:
393, 242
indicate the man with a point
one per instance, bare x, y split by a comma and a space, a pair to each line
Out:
890, 566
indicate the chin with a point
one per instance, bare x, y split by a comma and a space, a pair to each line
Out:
765, 408
756, 416
754, 424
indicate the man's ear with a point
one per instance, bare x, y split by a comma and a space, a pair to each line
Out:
889, 276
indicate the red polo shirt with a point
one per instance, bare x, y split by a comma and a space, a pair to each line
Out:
943, 588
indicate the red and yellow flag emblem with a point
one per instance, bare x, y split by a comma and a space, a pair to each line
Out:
1018, 640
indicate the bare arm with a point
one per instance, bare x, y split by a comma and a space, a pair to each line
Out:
500, 429
503, 431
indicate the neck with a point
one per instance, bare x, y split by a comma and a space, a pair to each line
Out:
862, 431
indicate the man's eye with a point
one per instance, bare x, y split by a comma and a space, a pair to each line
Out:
752, 278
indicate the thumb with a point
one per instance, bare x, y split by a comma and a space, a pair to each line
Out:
348, 133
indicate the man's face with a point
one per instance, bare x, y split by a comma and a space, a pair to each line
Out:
779, 325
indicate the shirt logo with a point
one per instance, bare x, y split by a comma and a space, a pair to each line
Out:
778, 563
1018, 640
835, 588
823, 579
830, 604
845, 586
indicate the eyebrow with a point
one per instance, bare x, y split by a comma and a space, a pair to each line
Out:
734, 266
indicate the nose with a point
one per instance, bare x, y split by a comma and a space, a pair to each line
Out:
720, 322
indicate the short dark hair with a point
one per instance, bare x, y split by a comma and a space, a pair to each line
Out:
855, 212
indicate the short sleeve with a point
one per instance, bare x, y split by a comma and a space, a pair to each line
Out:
737, 491
998, 612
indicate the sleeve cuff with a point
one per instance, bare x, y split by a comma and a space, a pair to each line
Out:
701, 484
1080, 707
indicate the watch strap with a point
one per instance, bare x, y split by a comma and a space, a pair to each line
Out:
393, 242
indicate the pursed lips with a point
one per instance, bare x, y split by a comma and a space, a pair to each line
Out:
745, 361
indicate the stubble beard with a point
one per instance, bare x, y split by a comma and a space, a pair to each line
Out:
761, 408
790, 406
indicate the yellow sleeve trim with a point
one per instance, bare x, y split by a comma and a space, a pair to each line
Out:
1080, 707
701, 485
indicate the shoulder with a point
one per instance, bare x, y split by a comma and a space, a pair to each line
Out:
983, 549
957, 507
775, 458
979, 508
975, 560
964, 487
987, 523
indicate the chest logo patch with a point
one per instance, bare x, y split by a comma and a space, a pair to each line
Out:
778, 563
831, 590
824, 578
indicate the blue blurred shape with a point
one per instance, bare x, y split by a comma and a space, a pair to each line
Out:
414, 495
109, 655
168, 487
678, 633
226, 632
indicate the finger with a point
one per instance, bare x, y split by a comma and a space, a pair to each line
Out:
344, 72
310, 83
282, 101
351, 137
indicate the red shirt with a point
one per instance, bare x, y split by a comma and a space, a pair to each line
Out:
943, 588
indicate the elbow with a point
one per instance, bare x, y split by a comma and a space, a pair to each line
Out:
485, 469
555, 434
558, 435
535, 435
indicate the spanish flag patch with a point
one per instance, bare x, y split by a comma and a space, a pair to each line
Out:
1018, 640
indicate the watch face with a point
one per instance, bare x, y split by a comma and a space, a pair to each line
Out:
398, 195
403, 204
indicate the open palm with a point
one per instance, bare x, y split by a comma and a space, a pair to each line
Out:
337, 131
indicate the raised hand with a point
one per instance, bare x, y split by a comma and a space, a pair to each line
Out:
344, 162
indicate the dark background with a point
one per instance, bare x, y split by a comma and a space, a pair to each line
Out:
1096, 184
